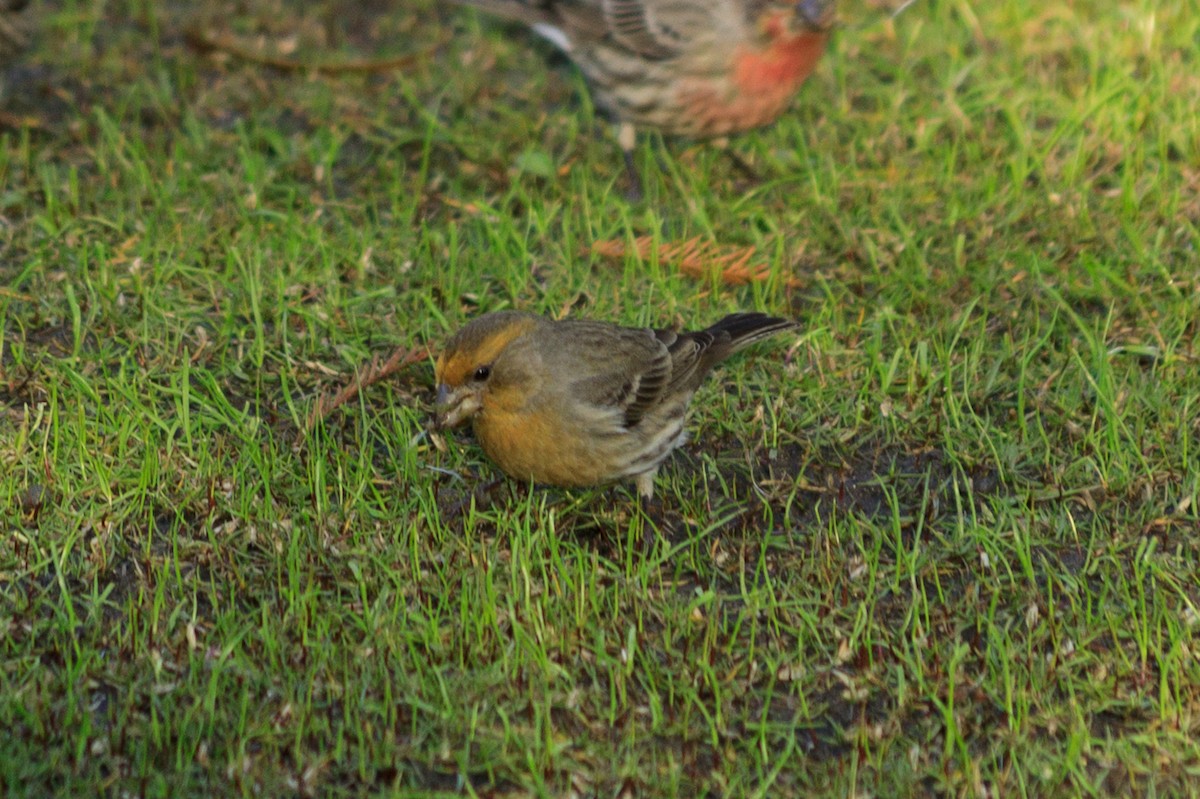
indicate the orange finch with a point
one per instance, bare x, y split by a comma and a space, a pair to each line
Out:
698, 68
576, 402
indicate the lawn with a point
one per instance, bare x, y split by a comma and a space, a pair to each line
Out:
943, 540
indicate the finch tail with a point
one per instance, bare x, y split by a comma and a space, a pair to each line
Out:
733, 333
693, 355
740, 330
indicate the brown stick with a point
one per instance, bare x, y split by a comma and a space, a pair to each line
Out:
207, 41
373, 373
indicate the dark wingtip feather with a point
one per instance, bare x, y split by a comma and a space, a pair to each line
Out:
744, 329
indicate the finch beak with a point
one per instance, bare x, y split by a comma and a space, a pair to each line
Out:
817, 14
455, 406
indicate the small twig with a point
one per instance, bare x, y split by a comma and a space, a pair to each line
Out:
373, 373
14, 295
206, 41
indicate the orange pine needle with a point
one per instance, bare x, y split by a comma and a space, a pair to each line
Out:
695, 257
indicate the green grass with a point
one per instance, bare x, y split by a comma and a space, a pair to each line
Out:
946, 541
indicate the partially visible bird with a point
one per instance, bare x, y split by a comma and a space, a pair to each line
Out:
696, 68
579, 403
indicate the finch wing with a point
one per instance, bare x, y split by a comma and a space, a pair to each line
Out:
623, 370
687, 353
631, 23
644, 367
654, 29
646, 386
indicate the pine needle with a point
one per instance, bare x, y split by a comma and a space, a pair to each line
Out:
732, 265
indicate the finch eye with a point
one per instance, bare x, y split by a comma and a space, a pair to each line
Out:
482, 373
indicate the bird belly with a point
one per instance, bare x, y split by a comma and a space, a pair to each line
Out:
762, 86
574, 452
537, 446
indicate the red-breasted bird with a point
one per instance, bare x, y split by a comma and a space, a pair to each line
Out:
576, 402
696, 68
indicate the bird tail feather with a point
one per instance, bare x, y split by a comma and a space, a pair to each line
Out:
744, 329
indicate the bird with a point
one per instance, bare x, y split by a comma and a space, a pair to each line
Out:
578, 402
696, 68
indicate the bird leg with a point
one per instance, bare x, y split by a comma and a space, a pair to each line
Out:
645, 485
627, 140
651, 511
